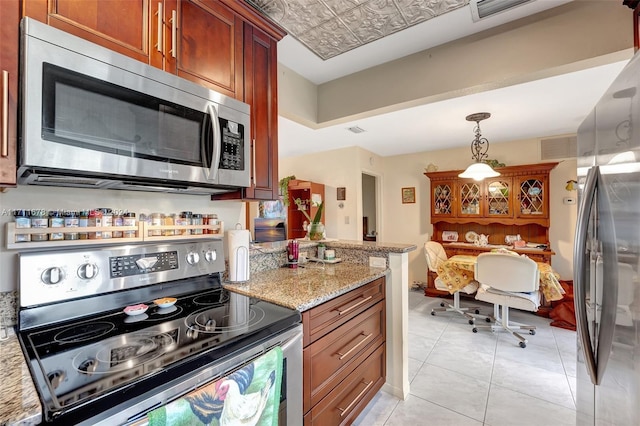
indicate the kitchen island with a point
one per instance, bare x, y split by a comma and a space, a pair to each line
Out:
279, 285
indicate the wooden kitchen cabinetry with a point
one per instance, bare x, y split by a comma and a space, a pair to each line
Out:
224, 45
306, 191
516, 202
344, 358
9, 34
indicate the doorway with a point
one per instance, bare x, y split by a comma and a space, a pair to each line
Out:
370, 228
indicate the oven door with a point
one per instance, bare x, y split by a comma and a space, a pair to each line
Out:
89, 110
134, 412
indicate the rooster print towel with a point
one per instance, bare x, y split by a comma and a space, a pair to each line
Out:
247, 397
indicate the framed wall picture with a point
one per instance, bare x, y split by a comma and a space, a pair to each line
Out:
409, 195
341, 193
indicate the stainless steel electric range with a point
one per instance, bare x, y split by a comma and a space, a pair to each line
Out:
94, 364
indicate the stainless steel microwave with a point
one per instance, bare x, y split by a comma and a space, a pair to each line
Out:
94, 118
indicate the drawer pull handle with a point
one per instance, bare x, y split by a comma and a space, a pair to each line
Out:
344, 411
5, 114
352, 307
346, 354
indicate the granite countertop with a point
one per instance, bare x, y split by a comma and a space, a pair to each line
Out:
19, 402
305, 287
372, 246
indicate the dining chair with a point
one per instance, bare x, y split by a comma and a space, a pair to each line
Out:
435, 255
508, 281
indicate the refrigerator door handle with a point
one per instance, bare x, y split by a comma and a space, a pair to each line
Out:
609, 302
579, 271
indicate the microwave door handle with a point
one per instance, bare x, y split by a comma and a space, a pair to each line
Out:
217, 142
579, 273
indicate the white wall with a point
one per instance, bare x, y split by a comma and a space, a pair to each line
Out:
24, 197
411, 223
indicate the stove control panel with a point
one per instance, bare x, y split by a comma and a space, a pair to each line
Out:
53, 276
137, 264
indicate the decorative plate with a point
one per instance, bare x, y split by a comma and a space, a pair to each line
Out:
165, 302
136, 309
471, 237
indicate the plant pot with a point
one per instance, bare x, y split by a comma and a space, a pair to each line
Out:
315, 231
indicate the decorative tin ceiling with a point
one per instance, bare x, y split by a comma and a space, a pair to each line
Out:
331, 27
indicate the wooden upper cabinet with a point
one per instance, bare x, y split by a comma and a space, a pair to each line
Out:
9, 35
119, 25
203, 43
442, 198
260, 79
518, 196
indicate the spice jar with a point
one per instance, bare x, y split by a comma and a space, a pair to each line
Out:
22, 219
117, 221
185, 220
71, 220
157, 219
95, 219
129, 219
211, 219
196, 219
83, 222
39, 219
107, 220
56, 220
169, 220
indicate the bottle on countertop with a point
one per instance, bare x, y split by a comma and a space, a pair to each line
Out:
321, 250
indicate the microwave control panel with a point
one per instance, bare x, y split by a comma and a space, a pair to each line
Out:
232, 153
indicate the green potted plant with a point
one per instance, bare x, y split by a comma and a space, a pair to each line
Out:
284, 189
315, 228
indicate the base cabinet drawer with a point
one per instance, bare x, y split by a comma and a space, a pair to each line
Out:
329, 360
343, 404
322, 319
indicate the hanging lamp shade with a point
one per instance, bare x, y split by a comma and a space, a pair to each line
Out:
479, 148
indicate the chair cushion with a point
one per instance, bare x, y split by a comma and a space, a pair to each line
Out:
470, 288
524, 301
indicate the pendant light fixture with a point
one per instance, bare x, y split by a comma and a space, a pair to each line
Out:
479, 147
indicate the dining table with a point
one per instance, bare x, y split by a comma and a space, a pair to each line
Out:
458, 271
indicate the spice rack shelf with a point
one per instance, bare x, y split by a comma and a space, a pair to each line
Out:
144, 233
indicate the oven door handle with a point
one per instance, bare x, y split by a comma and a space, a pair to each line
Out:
217, 142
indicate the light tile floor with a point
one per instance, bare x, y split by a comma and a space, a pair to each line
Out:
462, 378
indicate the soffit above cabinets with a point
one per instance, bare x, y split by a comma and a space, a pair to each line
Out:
331, 27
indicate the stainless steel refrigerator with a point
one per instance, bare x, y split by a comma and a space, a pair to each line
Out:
606, 257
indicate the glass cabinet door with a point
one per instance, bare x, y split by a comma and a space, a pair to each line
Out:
499, 197
442, 199
532, 199
470, 197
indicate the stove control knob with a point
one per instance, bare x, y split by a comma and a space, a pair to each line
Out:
52, 275
56, 377
210, 255
88, 366
88, 271
193, 258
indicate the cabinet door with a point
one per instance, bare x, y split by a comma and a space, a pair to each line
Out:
119, 25
9, 31
470, 195
261, 92
442, 199
203, 43
499, 193
533, 198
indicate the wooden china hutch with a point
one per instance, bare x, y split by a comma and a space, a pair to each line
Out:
514, 203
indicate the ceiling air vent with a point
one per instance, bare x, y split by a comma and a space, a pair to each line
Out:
484, 8
356, 129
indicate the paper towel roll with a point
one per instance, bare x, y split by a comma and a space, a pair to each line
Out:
238, 245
